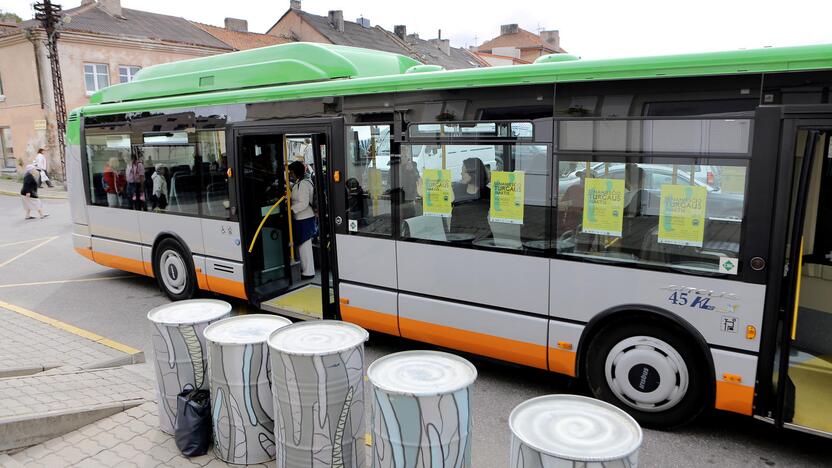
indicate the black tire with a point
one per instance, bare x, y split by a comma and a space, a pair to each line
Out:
633, 376
174, 270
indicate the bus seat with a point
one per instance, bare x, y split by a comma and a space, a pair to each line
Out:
426, 227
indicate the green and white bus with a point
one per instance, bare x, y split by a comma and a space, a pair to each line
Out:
660, 227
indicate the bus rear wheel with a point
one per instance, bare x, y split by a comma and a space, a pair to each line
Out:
651, 372
174, 270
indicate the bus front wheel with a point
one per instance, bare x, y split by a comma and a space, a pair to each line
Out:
651, 372
174, 270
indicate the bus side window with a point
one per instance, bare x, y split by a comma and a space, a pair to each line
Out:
368, 180
214, 175
683, 215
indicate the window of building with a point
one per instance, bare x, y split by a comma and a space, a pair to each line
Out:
96, 76
2, 95
485, 195
369, 179
6, 149
685, 214
126, 73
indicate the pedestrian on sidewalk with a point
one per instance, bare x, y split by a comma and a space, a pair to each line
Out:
40, 165
30, 192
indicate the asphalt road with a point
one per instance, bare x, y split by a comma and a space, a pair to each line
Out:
114, 304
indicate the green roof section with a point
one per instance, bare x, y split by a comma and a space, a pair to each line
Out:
370, 79
298, 62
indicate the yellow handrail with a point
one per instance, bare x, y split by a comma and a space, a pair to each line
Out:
263, 221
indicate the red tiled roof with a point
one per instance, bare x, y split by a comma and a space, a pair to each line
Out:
522, 39
241, 40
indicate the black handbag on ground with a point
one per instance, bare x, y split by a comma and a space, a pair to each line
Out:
193, 422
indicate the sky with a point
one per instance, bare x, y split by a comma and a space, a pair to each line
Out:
588, 28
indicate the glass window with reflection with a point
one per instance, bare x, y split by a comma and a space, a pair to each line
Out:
368, 179
486, 195
687, 216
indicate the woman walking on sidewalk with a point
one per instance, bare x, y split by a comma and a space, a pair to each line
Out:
40, 165
30, 192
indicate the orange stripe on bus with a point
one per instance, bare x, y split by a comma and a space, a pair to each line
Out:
85, 252
201, 279
734, 397
562, 361
483, 344
376, 321
226, 286
148, 269
122, 263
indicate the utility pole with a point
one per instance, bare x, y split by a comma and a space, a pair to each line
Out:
49, 15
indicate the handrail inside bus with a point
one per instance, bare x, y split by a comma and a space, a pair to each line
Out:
262, 222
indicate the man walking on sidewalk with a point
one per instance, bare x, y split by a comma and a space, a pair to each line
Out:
40, 165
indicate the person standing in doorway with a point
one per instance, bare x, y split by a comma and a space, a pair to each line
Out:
40, 165
30, 192
305, 227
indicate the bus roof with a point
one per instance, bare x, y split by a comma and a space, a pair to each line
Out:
305, 70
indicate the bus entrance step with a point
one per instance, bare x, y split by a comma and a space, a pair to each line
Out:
303, 303
35, 408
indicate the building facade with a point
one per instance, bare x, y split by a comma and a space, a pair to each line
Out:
100, 44
516, 46
299, 25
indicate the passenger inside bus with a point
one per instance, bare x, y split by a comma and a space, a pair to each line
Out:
471, 200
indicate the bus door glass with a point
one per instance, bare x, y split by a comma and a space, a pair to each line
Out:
809, 330
264, 216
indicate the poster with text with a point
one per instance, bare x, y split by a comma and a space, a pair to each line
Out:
507, 197
436, 193
603, 207
682, 215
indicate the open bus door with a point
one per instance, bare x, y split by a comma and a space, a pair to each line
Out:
271, 257
803, 370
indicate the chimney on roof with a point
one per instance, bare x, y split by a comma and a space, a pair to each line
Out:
336, 19
294, 5
86, 2
509, 29
400, 31
442, 44
551, 38
235, 24
412, 37
112, 7
364, 22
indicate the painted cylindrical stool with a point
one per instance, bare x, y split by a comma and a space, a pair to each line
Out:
179, 349
318, 387
421, 410
571, 430
240, 383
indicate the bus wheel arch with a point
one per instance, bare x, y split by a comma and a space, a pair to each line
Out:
173, 267
638, 337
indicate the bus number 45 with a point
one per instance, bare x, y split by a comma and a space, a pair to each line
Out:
683, 298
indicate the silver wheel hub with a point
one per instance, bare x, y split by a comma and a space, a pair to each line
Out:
173, 271
646, 373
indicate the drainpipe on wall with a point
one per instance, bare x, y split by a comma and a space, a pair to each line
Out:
31, 38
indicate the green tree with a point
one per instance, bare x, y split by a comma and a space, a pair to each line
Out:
9, 16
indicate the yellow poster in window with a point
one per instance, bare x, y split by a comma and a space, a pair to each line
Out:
682, 215
603, 207
436, 192
507, 197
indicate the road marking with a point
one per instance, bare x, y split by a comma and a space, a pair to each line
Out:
70, 328
48, 240
22, 242
82, 280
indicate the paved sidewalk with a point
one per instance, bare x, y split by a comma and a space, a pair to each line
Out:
29, 345
11, 187
128, 439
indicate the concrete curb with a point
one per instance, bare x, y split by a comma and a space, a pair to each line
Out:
47, 197
20, 432
120, 361
21, 371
